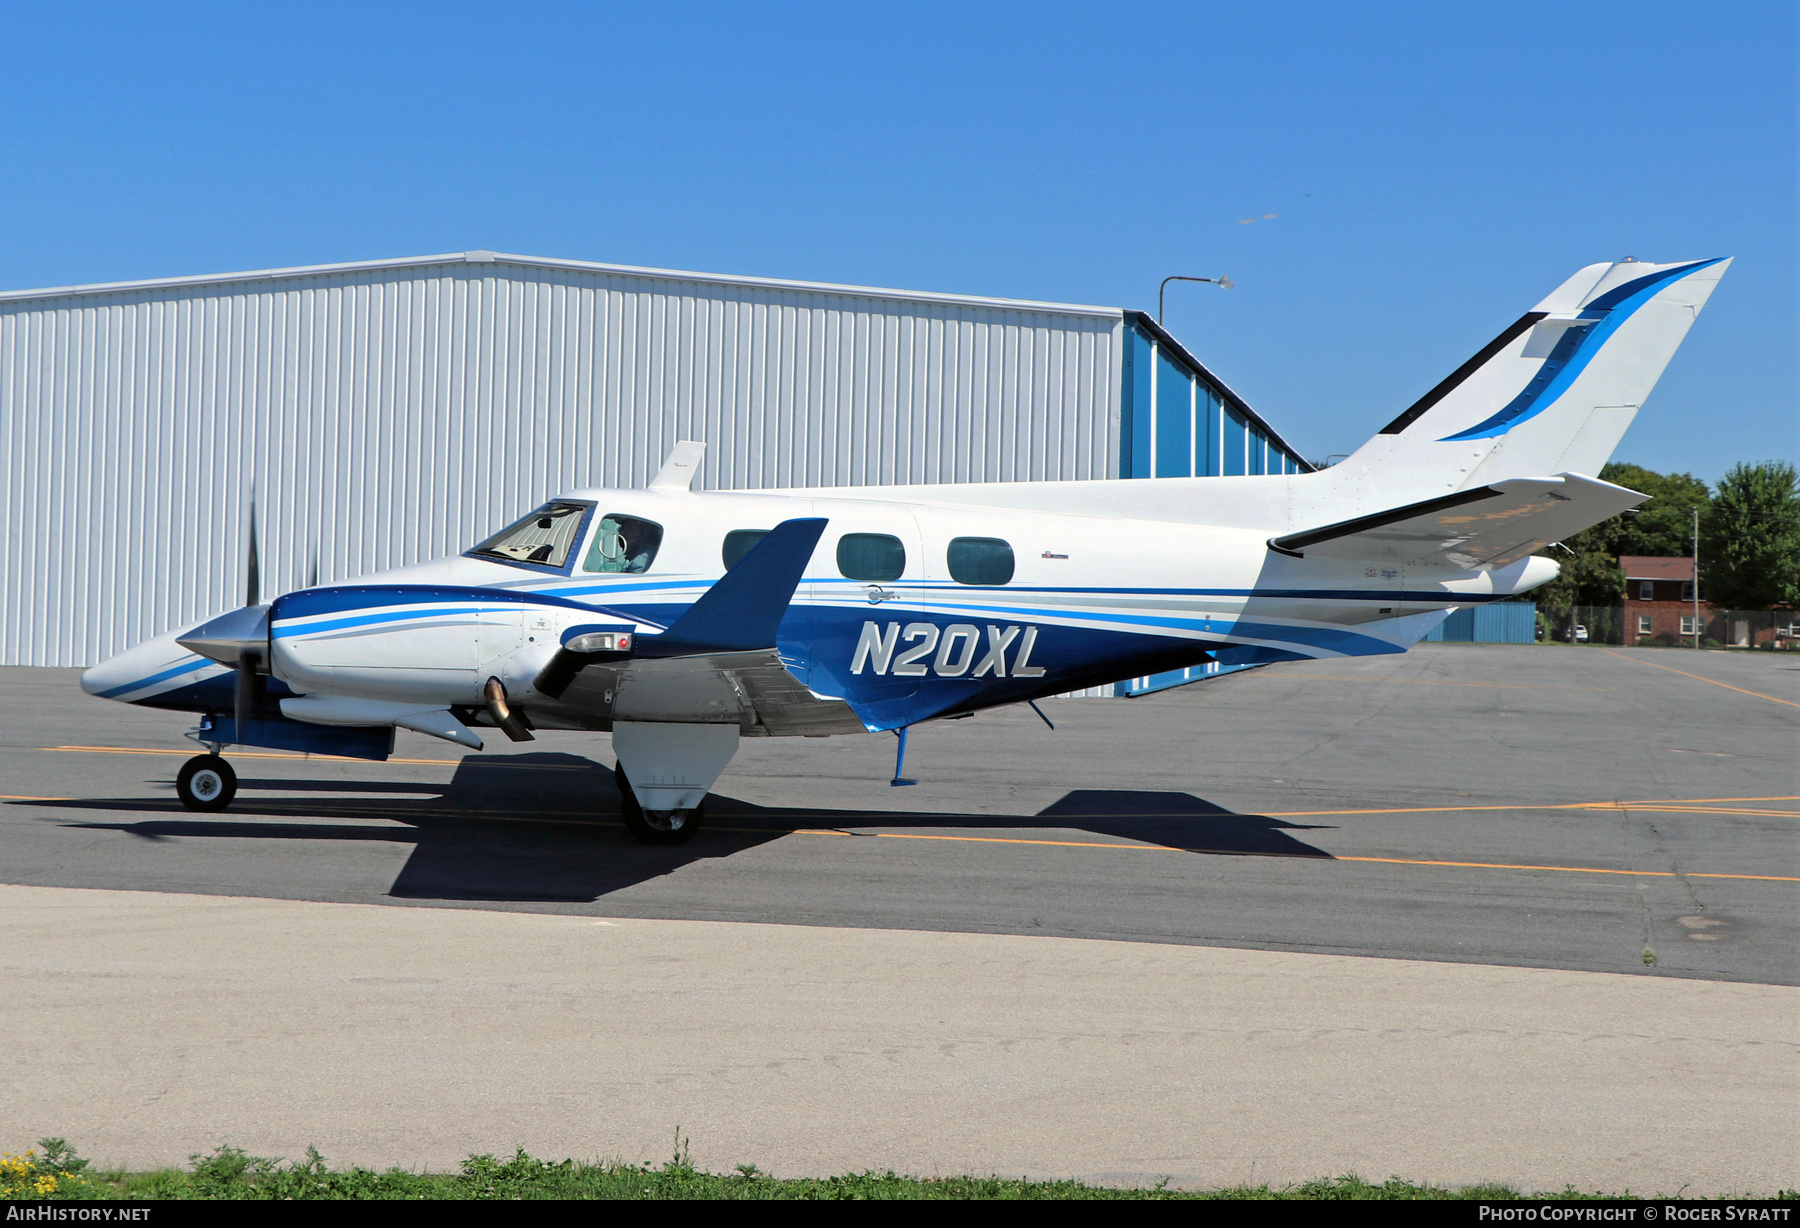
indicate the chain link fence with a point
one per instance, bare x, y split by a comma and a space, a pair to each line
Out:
1767, 630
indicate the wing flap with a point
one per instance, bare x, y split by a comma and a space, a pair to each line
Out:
1489, 526
753, 689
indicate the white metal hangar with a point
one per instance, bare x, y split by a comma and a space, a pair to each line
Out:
386, 412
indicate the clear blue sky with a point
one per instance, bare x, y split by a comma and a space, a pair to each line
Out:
1433, 169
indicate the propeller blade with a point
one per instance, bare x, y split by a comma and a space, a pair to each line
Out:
253, 583
248, 701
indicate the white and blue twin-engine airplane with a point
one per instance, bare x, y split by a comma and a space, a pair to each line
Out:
681, 621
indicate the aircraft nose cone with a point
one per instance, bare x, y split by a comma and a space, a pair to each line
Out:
104, 677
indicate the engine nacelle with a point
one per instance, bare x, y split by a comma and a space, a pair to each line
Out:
423, 645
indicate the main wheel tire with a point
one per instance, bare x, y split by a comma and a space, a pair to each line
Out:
206, 782
656, 826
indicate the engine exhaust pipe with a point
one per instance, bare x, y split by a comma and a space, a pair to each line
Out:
512, 724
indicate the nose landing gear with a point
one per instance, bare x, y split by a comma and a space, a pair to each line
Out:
206, 782
656, 826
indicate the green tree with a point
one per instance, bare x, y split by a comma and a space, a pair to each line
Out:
1664, 525
1661, 525
1750, 542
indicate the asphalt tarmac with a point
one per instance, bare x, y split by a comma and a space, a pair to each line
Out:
1524, 914
1587, 808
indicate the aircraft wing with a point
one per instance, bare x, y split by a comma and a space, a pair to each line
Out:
751, 689
1489, 526
717, 664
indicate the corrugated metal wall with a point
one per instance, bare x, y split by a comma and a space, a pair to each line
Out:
1503, 622
392, 414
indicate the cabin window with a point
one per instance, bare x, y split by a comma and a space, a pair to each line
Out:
623, 544
543, 538
980, 560
871, 556
738, 543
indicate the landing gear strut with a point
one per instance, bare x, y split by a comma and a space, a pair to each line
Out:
206, 782
655, 826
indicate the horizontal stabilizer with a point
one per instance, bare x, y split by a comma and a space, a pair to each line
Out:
743, 611
1487, 527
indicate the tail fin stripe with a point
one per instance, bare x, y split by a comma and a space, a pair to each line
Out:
1462, 373
1618, 294
1539, 396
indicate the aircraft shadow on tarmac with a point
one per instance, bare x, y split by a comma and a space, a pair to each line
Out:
544, 827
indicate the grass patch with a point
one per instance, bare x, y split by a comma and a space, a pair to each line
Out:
230, 1174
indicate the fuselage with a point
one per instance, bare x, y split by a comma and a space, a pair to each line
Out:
909, 610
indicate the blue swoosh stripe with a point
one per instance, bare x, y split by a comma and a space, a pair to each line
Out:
854, 588
197, 663
1332, 639
1529, 404
364, 620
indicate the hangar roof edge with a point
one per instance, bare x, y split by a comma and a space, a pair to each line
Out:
551, 262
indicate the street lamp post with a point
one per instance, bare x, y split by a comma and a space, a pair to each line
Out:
1222, 282
1696, 589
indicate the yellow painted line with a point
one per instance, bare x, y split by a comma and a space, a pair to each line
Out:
26, 797
899, 835
1666, 807
1396, 861
261, 754
1696, 801
1497, 865
243, 754
1740, 690
1082, 844
1764, 814
1672, 807
1504, 686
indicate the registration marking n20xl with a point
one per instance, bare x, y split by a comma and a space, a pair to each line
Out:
956, 648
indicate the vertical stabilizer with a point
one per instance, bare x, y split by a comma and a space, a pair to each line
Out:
1551, 394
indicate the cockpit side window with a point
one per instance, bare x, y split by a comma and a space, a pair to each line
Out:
623, 544
542, 539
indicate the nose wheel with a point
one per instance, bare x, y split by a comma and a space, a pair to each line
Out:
206, 782
655, 826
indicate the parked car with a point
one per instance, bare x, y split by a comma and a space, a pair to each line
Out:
1580, 634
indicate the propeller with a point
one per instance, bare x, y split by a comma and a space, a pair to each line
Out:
252, 662
240, 638
252, 569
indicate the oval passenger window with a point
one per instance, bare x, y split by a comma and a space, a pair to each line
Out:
738, 543
871, 556
980, 560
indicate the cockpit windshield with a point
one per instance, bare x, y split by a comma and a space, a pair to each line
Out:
543, 538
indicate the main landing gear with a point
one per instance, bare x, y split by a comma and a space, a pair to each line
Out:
656, 826
206, 782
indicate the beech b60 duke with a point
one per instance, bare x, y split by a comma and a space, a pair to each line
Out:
682, 621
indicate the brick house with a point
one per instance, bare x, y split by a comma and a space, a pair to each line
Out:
1659, 600
1659, 609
